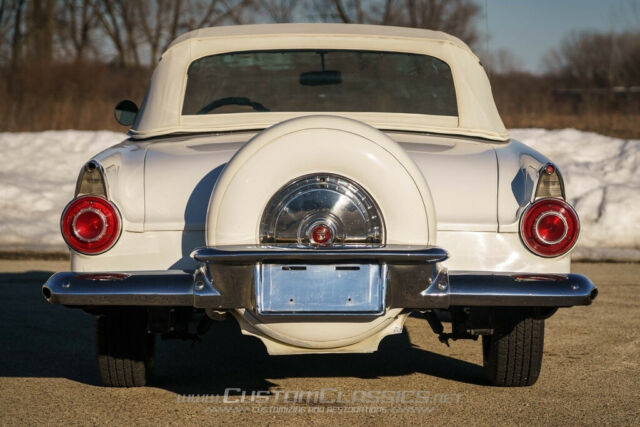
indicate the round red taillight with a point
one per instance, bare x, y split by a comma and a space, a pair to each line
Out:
90, 225
321, 234
549, 227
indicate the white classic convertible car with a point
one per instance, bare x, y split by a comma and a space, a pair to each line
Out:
319, 182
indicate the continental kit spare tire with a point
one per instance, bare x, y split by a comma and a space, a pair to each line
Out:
352, 152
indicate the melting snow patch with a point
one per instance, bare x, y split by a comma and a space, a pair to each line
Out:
38, 172
602, 180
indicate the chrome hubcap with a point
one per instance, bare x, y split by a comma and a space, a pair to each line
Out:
322, 210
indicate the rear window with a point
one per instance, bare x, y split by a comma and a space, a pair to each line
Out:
313, 80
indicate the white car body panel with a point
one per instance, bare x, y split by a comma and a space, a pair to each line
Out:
179, 180
123, 165
460, 173
462, 176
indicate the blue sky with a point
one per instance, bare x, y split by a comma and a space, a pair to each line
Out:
529, 28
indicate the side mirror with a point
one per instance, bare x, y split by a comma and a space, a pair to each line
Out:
126, 112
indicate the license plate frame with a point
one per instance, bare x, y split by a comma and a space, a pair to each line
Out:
320, 289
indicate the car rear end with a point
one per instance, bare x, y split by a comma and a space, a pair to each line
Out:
349, 186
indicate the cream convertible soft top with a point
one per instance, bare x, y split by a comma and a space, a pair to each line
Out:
160, 112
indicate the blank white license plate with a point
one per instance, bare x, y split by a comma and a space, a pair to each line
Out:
320, 289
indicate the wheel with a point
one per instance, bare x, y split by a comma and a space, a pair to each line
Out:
512, 355
125, 348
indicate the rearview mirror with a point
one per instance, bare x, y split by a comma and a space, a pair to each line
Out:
321, 78
126, 112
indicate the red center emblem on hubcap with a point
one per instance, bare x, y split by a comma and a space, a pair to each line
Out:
321, 234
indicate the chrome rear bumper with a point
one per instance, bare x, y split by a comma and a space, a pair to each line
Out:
482, 289
227, 280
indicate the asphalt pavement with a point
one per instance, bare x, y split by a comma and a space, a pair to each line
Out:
48, 374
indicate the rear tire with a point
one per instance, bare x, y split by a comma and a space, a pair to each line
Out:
513, 353
125, 348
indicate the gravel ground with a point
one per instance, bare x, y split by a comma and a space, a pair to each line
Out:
590, 374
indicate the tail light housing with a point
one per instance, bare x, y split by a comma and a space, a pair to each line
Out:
549, 227
90, 225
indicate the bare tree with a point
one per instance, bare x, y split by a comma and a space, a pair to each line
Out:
137, 30
207, 13
40, 28
77, 21
500, 61
357, 11
11, 29
158, 21
590, 59
16, 42
161, 21
279, 10
452, 16
6, 9
118, 21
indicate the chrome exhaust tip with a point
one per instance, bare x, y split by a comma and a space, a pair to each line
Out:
46, 292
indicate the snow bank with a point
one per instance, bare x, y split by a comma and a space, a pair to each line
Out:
602, 179
38, 172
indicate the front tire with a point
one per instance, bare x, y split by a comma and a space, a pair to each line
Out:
513, 353
125, 348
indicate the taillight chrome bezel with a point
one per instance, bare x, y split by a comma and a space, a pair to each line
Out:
74, 221
91, 181
536, 228
537, 244
82, 245
550, 183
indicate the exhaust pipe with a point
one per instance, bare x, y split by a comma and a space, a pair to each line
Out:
46, 292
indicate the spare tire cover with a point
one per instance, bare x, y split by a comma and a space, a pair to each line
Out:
320, 144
